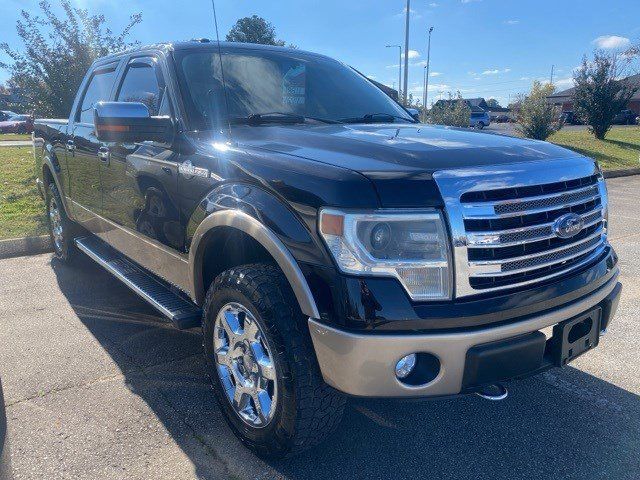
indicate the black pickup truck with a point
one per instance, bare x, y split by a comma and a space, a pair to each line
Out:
326, 243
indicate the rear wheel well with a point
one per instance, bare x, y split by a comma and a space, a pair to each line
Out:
228, 247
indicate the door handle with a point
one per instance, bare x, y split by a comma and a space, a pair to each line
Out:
71, 146
103, 154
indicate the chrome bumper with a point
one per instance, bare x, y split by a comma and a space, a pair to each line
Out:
363, 364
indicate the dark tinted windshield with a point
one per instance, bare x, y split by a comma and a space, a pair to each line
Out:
262, 81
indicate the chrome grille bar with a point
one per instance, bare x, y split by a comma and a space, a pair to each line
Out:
488, 212
532, 262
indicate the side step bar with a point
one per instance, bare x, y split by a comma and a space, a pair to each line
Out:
182, 312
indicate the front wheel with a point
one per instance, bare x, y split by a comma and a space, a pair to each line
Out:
262, 365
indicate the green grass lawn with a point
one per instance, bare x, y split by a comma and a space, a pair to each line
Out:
619, 149
5, 137
21, 209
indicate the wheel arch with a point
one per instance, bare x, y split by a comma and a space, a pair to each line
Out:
224, 222
50, 171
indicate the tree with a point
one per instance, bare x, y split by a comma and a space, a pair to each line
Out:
493, 103
454, 112
599, 94
58, 53
254, 29
536, 117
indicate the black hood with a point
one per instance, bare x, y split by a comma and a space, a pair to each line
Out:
398, 159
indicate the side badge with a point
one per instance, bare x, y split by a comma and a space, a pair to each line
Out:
189, 170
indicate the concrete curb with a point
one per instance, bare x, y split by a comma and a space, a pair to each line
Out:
626, 172
19, 247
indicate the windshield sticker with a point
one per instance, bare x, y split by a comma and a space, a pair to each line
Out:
294, 85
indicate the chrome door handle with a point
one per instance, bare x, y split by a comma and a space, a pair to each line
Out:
103, 154
71, 146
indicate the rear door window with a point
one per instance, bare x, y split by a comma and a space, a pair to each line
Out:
99, 89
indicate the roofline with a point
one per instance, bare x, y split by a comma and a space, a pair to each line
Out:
203, 44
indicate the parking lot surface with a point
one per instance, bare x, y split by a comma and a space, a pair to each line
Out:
97, 385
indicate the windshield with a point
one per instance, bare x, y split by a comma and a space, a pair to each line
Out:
263, 82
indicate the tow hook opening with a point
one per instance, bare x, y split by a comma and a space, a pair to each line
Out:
494, 392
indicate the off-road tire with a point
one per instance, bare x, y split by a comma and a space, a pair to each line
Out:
307, 409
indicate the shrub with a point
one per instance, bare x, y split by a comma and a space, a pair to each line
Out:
454, 112
599, 96
537, 118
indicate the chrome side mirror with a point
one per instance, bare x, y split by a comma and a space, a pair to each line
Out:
130, 122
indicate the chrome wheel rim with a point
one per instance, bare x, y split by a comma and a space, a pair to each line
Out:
245, 365
56, 223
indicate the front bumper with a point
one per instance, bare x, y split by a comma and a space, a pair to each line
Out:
363, 364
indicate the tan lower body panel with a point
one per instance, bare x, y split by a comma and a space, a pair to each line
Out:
363, 364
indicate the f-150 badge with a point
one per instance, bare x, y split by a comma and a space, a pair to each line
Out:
189, 170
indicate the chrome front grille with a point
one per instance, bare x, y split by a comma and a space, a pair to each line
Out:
502, 222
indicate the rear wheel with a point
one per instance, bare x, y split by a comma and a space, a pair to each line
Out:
61, 229
262, 365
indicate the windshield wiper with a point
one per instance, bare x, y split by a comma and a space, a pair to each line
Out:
377, 118
278, 117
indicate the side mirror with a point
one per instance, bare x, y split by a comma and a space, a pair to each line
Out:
130, 122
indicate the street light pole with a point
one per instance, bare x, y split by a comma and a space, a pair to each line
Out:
426, 81
406, 52
399, 66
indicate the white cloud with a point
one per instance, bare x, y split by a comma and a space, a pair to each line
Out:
470, 1
412, 54
525, 78
435, 74
372, 77
611, 42
496, 71
511, 22
434, 4
412, 13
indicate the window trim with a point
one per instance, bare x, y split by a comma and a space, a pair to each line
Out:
98, 70
145, 61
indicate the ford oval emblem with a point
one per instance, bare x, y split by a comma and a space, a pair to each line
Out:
568, 225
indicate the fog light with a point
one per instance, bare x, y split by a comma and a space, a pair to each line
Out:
405, 366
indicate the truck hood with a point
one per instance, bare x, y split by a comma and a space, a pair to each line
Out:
398, 159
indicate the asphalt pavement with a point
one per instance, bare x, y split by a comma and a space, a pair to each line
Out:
97, 385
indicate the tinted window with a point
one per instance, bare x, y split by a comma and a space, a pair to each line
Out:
141, 85
99, 89
271, 81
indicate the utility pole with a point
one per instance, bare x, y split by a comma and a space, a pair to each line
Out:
426, 78
551, 81
399, 67
406, 53
424, 94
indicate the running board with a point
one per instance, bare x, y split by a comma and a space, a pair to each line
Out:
182, 312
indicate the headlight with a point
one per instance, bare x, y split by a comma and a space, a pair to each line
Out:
410, 246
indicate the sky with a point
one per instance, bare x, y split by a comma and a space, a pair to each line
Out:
482, 48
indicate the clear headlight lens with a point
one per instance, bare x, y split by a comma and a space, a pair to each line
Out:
410, 246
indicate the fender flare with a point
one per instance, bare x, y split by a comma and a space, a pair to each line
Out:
241, 221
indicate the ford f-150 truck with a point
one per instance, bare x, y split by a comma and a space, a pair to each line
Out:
325, 242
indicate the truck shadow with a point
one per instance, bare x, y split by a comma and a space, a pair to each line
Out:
565, 424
